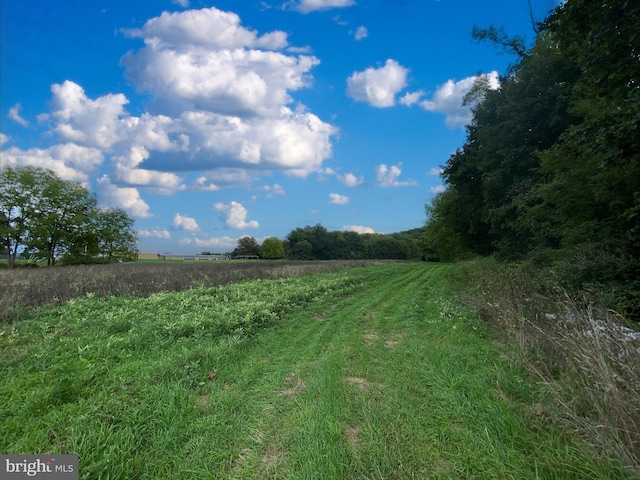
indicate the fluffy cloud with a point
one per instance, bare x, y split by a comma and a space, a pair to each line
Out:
436, 171
306, 6
4, 138
69, 161
184, 223
411, 98
358, 229
350, 180
361, 33
208, 27
234, 215
221, 95
225, 92
337, 199
438, 189
378, 87
79, 119
156, 232
128, 199
388, 176
224, 243
448, 98
204, 59
14, 114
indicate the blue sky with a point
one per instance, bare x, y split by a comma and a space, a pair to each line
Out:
210, 120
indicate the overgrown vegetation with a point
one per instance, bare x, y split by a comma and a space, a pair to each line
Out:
24, 289
583, 354
546, 189
549, 171
374, 372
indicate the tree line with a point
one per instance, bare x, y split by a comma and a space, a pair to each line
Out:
318, 243
46, 217
550, 169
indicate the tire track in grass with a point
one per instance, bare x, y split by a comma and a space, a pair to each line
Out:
310, 360
392, 382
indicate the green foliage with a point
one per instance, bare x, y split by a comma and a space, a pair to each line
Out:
552, 157
272, 248
42, 213
247, 246
317, 243
115, 235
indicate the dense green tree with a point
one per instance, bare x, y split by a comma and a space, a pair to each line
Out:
21, 193
272, 248
64, 217
593, 190
114, 234
551, 162
43, 214
247, 245
302, 250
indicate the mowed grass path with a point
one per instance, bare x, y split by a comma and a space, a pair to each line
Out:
370, 373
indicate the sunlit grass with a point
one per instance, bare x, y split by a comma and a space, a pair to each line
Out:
367, 373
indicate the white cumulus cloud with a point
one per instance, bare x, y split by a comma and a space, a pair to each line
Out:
337, 199
388, 176
350, 180
438, 189
14, 114
361, 32
156, 232
378, 86
234, 215
184, 223
127, 198
69, 161
223, 243
79, 119
411, 98
358, 229
448, 99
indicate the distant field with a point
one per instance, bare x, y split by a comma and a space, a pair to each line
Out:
26, 288
361, 373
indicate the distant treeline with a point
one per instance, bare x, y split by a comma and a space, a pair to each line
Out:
550, 169
318, 243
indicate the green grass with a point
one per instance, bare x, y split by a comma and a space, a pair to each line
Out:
369, 373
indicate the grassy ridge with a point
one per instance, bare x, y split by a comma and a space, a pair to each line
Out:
374, 372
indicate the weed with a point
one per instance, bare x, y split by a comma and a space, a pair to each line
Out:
584, 355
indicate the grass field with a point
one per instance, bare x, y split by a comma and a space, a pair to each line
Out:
367, 373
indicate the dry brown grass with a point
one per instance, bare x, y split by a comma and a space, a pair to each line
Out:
24, 289
585, 356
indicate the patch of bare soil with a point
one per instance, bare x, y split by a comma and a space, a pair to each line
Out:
203, 401
358, 381
296, 385
370, 337
394, 340
351, 433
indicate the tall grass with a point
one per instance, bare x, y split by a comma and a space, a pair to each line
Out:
586, 356
24, 289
